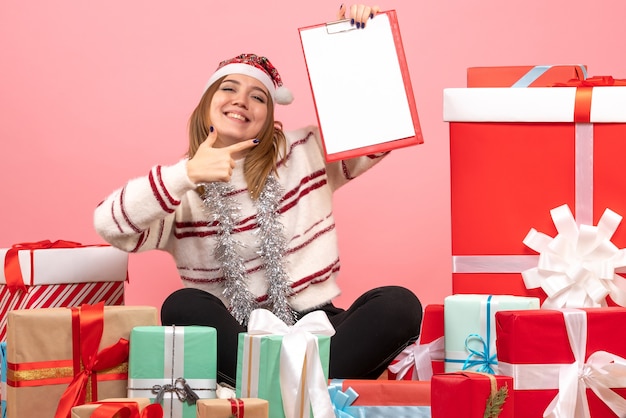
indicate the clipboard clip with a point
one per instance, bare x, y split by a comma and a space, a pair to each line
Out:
339, 26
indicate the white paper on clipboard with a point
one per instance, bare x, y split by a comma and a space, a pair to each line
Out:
360, 91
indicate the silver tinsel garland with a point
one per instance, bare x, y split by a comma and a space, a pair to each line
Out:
221, 205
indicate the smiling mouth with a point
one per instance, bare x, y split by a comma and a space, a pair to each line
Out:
236, 116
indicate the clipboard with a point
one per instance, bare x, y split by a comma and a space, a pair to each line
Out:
361, 87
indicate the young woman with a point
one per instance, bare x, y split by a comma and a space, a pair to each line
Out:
248, 219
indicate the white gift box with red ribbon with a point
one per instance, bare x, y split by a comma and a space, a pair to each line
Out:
49, 274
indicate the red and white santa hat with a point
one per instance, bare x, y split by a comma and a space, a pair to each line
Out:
258, 67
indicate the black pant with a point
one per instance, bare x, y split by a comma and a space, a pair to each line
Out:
371, 333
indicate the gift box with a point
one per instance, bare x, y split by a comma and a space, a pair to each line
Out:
68, 356
233, 408
173, 366
49, 274
3, 379
424, 357
466, 394
111, 408
380, 398
524, 75
517, 153
286, 365
470, 332
556, 356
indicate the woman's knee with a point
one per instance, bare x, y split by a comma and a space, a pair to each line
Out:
188, 306
402, 305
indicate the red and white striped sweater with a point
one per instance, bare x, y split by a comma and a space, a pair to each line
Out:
163, 211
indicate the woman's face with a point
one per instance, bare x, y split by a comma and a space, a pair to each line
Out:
238, 109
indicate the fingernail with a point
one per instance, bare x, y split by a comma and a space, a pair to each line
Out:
363, 25
211, 128
256, 141
341, 7
371, 15
358, 25
352, 21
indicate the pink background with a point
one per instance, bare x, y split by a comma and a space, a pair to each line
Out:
95, 92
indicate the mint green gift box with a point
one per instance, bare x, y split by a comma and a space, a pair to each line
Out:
171, 361
470, 331
258, 368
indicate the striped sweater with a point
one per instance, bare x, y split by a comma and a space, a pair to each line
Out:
163, 211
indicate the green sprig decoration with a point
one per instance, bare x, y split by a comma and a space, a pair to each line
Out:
495, 402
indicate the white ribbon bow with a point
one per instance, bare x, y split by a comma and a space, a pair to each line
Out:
576, 268
302, 382
600, 373
421, 356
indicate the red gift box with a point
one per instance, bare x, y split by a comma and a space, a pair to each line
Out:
580, 348
524, 75
54, 274
466, 394
377, 398
517, 153
427, 353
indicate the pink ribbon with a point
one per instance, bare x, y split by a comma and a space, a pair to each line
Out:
420, 356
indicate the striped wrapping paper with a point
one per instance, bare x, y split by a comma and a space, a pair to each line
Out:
64, 277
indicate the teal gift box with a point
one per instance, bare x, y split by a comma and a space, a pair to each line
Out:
174, 366
470, 332
259, 366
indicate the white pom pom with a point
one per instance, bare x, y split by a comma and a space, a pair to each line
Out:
283, 95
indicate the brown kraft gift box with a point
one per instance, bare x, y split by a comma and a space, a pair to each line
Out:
44, 356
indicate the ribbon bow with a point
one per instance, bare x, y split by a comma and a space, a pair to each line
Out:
183, 391
482, 358
127, 410
12, 269
584, 92
421, 356
596, 81
87, 328
576, 268
600, 373
341, 400
302, 381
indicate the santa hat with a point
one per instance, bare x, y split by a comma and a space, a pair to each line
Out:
258, 67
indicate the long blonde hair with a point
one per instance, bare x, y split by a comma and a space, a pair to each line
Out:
261, 160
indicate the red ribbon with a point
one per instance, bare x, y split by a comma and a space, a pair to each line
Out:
236, 407
127, 410
12, 270
584, 90
87, 329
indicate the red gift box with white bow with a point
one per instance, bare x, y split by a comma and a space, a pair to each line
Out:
568, 363
425, 356
516, 154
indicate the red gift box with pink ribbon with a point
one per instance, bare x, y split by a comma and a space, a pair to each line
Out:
425, 356
518, 153
47, 274
566, 363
